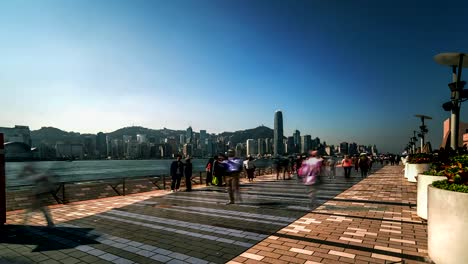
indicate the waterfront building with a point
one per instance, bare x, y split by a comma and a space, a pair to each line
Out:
108, 146
173, 149
141, 138
101, 145
268, 146
239, 150
306, 143
117, 149
189, 135
353, 149
17, 151
462, 137
290, 146
66, 150
374, 150
182, 139
297, 140
132, 149
203, 137
20, 134
251, 147
261, 146
278, 146
89, 146
188, 150
344, 148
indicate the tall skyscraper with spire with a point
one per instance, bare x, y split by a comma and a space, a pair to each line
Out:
278, 146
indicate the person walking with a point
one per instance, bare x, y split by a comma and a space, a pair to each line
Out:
364, 165
285, 165
277, 165
233, 167
332, 168
177, 171
249, 167
355, 160
209, 171
219, 170
347, 164
309, 171
42, 189
188, 174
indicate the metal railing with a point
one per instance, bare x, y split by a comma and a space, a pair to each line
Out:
59, 191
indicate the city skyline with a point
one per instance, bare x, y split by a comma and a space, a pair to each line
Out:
223, 66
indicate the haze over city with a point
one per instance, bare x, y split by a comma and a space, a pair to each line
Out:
90, 66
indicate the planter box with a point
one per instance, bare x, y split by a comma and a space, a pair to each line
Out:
447, 226
406, 170
423, 182
415, 169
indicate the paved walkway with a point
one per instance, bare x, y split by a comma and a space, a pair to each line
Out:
370, 222
374, 221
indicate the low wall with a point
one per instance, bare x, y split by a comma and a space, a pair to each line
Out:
20, 198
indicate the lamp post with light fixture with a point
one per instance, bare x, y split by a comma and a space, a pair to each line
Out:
458, 94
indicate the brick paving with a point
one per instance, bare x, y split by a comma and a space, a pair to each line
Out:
373, 221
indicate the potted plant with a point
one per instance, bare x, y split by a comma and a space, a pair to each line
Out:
447, 214
418, 163
436, 173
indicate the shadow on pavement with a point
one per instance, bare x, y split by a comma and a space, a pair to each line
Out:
45, 239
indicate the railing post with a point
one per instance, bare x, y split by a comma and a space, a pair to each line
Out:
123, 188
164, 182
63, 193
2, 183
201, 178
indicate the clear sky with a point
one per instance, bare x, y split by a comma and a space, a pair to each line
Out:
339, 70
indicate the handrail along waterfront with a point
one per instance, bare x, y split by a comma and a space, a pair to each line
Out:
155, 179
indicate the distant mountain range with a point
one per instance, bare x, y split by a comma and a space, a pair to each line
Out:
51, 135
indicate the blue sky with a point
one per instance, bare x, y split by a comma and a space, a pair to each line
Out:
339, 70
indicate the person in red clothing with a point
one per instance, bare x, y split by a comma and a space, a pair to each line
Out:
347, 164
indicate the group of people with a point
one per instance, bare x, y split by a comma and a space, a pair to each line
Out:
180, 170
363, 163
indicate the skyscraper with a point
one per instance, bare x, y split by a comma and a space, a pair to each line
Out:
290, 146
189, 135
278, 145
306, 143
261, 146
101, 144
297, 141
250, 147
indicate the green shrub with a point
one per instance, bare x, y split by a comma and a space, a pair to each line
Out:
445, 185
434, 172
421, 158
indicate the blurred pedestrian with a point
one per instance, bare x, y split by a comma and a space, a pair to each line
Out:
363, 165
347, 165
188, 174
309, 171
233, 167
177, 171
42, 188
277, 165
219, 170
332, 168
209, 171
249, 167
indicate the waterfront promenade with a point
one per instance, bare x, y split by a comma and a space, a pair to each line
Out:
368, 221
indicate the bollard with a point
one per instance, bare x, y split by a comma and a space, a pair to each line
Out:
2, 183
201, 177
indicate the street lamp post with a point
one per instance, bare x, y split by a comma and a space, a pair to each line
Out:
423, 129
454, 60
